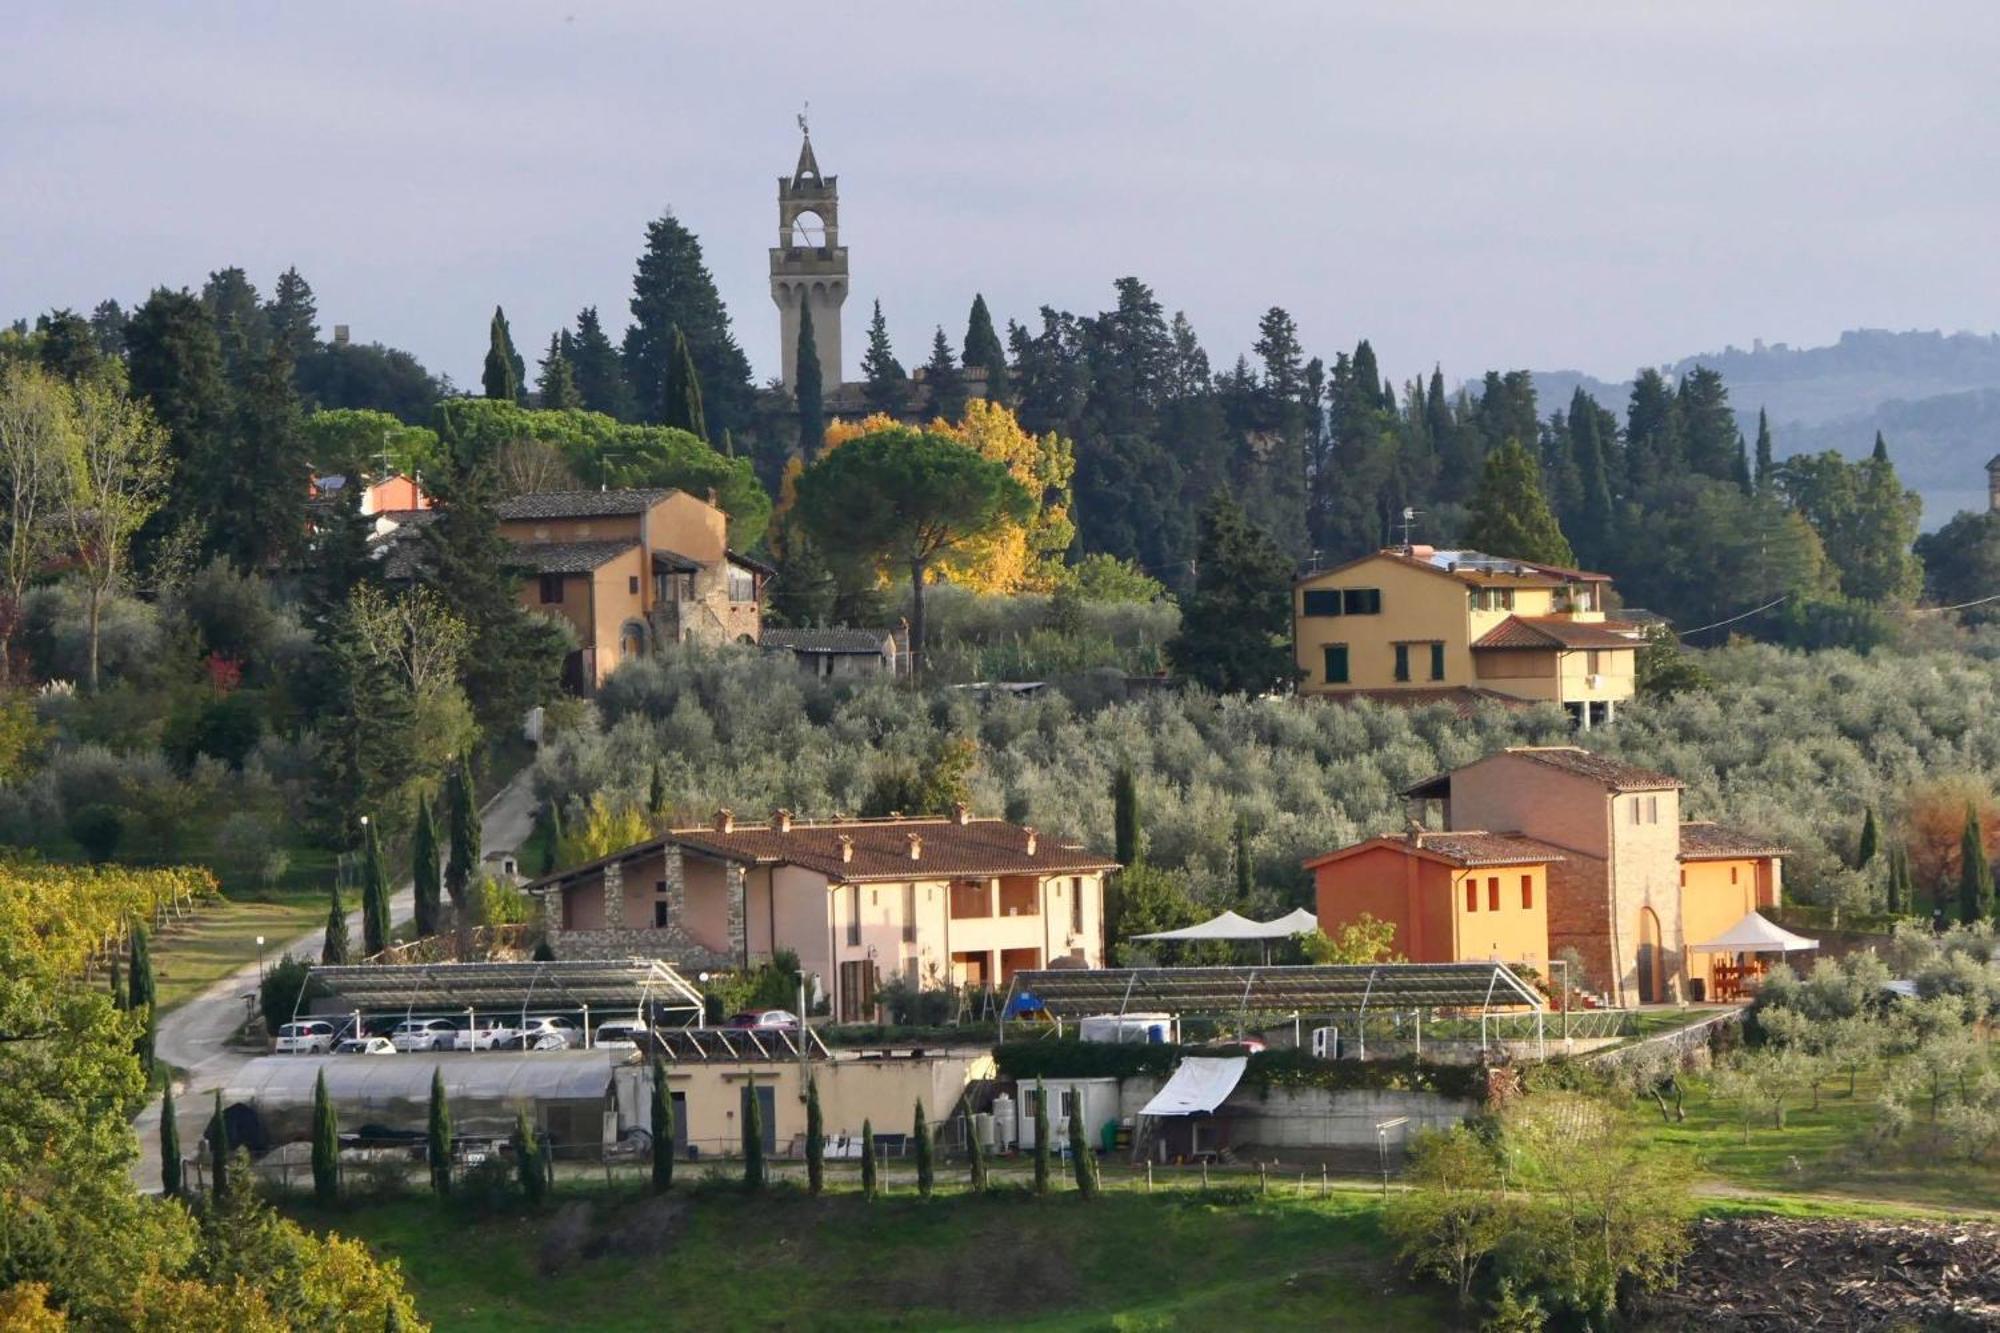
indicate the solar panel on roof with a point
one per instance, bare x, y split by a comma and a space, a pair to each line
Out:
1074, 993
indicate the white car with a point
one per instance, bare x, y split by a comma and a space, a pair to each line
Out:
307, 1037
540, 1034
479, 1038
365, 1046
623, 1033
424, 1034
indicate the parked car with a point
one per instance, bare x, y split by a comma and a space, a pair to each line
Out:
424, 1034
531, 1041
365, 1046
623, 1033
306, 1037
480, 1037
764, 1020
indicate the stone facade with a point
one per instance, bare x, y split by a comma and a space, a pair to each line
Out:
809, 267
669, 942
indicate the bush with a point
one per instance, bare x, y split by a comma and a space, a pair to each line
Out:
287, 990
98, 829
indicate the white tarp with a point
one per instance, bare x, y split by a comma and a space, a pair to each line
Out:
1753, 934
1231, 926
1199, 1083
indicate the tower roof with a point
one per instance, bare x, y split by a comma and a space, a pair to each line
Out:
807, 172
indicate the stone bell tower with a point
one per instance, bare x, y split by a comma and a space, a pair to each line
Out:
808, 264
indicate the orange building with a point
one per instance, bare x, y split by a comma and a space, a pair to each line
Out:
1453, 897
1725, 876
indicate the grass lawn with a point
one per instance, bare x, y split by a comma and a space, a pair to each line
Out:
712, 1258
222, 936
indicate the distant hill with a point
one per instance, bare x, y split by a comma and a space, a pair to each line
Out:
1935, 397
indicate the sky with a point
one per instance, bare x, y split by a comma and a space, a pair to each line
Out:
1548, 185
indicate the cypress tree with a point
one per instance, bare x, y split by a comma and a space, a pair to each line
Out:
1125, 816
808, 387
438, 1136
1880, 453
815, 1140
753, 1138
868, 1181
325, 1146
1975, 876
117, 985
374, 893
1244, 879
882, 376
428, 891
1083, 1163
170, 1145
656, 792
663, 1130
945, 380
683, 392
975, 1155
920, 1130
983, 349
336, 948
1865, 851
218, 1152
1510, 515
502, 376
674, 300
557, 384
462, 833
1041, 1138
139, 997
600, 376
528, 1167
1761, 477
1741, 469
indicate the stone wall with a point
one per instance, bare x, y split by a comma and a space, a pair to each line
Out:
1317, 1118
671, 942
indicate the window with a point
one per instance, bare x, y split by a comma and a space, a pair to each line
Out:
551, 588
1322, 602
1361, 601
1076, 905
1527, 891
1402, 661
854, 914
742, 584
1437, 661
632, 585
1635, 811
1652, 809
1732, 874
1493, 893
660, 915
1471, 894
1336, 663
910, 914
1593, 662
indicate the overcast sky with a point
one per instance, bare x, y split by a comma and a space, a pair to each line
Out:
1576, 185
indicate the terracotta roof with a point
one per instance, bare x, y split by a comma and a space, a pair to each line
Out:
1598, 768
829, 640
1705, 840
751, 563
580, 504
1463, 699
979, 848
1462, 847
571, 557
1545, 632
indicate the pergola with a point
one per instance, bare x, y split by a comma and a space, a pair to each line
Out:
1224, 991
612, 986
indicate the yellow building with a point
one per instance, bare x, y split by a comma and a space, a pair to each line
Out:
1418, 624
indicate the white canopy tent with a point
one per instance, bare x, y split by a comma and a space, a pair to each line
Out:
1199, 1083
1231, 926
1754, 934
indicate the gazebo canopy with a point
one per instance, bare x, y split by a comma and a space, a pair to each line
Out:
1754, 934
1231, 926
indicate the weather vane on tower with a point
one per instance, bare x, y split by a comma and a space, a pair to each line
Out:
804, 111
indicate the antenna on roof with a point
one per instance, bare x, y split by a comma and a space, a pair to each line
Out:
1409, 522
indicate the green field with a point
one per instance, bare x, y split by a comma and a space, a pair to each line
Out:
222, 936
713, 1258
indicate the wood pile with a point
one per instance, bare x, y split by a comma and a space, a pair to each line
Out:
1810, 1273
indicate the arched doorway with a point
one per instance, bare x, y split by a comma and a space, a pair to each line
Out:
631, 641
1651, 984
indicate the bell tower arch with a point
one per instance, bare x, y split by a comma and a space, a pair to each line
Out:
809, 264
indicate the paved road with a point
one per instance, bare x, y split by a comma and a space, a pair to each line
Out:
195, 1036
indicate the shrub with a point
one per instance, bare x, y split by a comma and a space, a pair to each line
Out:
98, 829
288, 989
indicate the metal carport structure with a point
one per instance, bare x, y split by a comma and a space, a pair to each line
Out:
613, 986
392, 1093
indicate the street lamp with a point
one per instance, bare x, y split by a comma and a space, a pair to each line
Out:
260, 958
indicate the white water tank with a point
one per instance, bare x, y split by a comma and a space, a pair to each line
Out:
1005, 1135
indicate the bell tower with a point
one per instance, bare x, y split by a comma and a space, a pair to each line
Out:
808, 264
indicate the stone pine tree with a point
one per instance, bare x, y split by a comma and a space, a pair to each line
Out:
1041, 1138
975, 1156
336, 948
1975, 875
1083, 1162
461, 834
869, 1183
556, 386
663, 1130
944, 380
753, 1138
1864, 851
218, 1152
1511, 516
883, 379
170, 1145
984, 350
437, 1137
501, 377
374, 893
325, 1146
1236, 626
141, 995
682, 397
808, 388
815, 1140
427, 888
920, 1133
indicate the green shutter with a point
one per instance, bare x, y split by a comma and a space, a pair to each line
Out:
1336, 664
1437, 661
1402, 661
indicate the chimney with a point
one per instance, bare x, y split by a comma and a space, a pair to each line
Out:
916, 846
725, 821
1031, 839
846, 848
961, 814
781, 820
714, 497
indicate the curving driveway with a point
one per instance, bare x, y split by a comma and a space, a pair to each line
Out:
194, 1037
